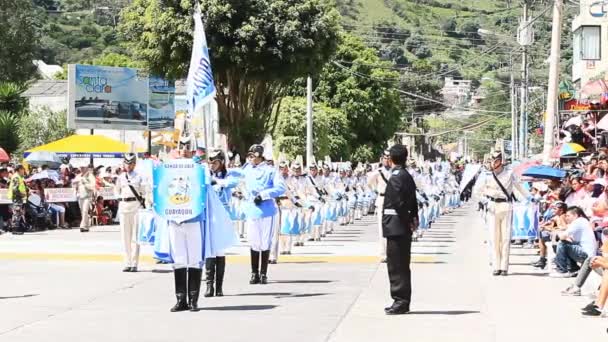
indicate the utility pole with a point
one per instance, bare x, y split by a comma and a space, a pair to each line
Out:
524, 41
514, 140
553, 80
309, 121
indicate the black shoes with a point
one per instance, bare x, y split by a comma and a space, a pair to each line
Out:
263, 279
398, 308
181, 283
255, 278
194, 287
541, 263
593, 311
129, 269
496, 273
504, 273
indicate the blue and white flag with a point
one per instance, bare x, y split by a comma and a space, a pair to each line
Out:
200, 86
179, 190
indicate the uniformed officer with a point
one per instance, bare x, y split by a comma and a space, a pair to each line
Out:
263, 185
128, 189
399, 221
498, 189
85, 189
378, 180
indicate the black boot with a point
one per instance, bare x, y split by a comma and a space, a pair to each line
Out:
181, 280
255, 267
194, 287
210, 276
264, 268
220, 263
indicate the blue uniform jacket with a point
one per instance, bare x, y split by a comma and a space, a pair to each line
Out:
265, 181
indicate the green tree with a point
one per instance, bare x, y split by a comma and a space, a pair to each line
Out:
40, 127
258, 47
19, 37
9, 140
330, 129
365, 89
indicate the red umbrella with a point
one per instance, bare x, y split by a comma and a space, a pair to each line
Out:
4, 157
521, 167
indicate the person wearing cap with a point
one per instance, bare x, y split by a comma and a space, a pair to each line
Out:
85, 190
223, 181
399, 222
316, 200
498, 188
128, 189
378, 180
263, 184
290, 215
299, 184
328, 180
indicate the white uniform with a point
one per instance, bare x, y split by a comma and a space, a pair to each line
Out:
127, 213
85, 188
499, 216
378, 183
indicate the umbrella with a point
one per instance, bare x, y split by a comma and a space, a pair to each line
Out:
523, 166
544, 172
574, 121
566, 149
46, 174
4, 157
39, 158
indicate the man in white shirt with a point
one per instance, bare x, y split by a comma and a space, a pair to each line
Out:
129, 187
577, 243
377, 181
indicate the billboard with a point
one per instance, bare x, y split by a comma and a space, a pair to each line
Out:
118, 98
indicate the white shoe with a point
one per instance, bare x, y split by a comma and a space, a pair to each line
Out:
561, 274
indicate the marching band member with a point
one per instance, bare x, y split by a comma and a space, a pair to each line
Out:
290, 212
315, 200
378, 180
223, 181
262, 185
328, 183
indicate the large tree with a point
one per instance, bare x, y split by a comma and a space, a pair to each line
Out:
365, 88
258, 47
19, 37
330, 130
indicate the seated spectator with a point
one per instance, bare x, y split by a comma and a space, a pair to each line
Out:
585, 271
576, 244
547, 229
103, 213
578, 194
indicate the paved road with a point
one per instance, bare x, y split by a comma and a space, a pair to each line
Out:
63, 285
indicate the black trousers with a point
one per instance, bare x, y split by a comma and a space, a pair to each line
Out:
398, 254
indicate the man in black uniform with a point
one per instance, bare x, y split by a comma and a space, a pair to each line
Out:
399, 220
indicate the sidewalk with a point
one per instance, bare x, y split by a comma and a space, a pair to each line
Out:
460, 300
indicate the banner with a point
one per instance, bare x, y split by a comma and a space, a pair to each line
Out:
107, 193
200, 88
103, 97
59, 195
4, 197
179, 190
525, 221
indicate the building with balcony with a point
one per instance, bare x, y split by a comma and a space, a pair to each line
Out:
456, 92
590, 51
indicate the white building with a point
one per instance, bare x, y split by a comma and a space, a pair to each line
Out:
590, 51
456, 92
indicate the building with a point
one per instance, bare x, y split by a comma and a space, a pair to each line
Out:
52, 94
456, 92
590, 56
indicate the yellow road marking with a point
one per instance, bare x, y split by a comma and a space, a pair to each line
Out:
234, 259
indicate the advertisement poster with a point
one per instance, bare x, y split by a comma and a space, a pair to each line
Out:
107, 97
161, 104
59, 195
178, 190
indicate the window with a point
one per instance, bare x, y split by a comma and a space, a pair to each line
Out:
587, 43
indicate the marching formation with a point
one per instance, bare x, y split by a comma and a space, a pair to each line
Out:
274, 209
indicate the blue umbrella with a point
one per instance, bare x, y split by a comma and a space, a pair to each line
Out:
544, 172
